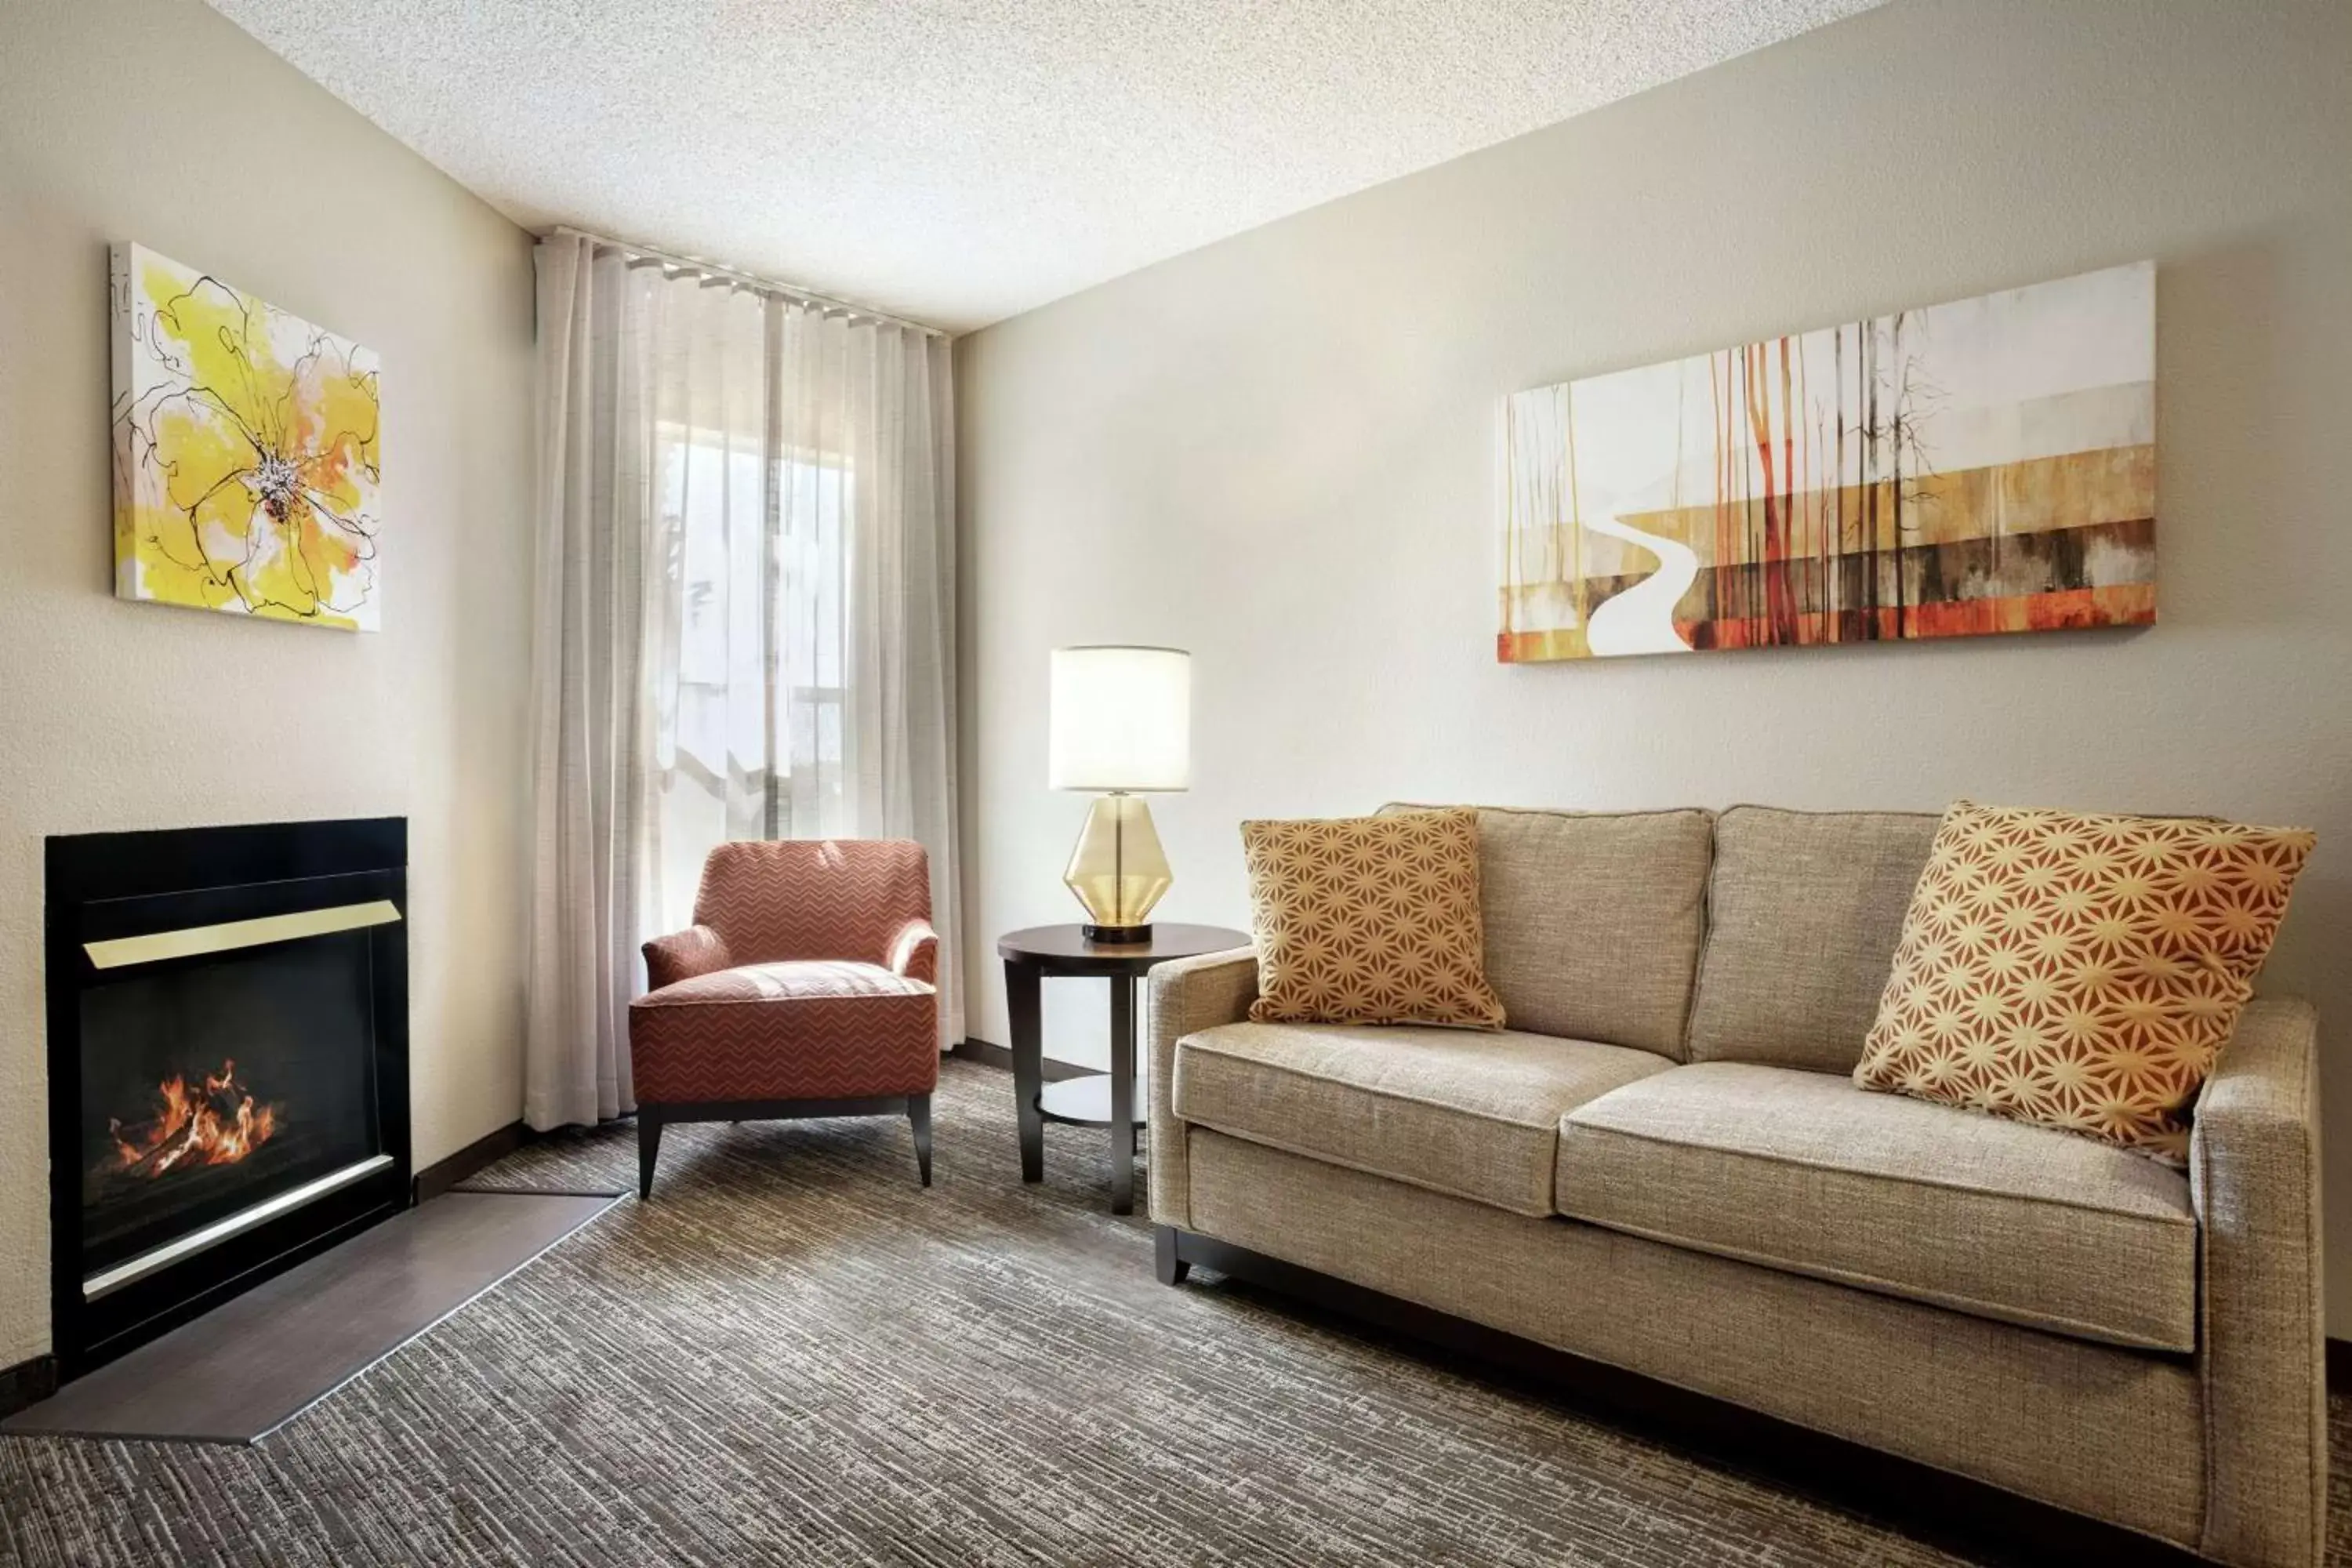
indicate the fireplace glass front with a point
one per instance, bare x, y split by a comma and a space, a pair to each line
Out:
211, 1085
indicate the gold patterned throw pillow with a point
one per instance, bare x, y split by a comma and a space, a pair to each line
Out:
2079, 971
1370, 919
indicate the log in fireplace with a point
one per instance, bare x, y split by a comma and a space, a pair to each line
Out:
228, 1064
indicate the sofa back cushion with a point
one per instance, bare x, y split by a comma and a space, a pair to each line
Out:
1593, 920
1803, 912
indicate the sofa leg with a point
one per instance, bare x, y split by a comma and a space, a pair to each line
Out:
1169, 1268
919, 1118
649, 1129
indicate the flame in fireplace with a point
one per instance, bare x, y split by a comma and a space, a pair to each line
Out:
212, 1120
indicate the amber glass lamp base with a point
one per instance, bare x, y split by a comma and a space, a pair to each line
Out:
1119, 871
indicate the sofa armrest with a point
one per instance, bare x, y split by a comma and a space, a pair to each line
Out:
682, 955
2253, 1173
1187, 995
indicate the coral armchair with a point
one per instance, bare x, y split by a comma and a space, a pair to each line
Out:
806, 986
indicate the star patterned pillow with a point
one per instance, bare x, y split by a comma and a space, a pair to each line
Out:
1370, 919
2079, 971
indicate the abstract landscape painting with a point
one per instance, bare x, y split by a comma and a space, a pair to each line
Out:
246, 466
1986, 465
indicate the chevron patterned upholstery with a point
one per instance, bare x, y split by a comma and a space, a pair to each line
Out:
810, 973
817, 898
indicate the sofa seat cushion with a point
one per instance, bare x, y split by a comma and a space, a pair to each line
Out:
1803, 1171
1474, 1115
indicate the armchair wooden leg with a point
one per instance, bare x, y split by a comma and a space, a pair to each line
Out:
919, 1118
1170, 1269
649, 1130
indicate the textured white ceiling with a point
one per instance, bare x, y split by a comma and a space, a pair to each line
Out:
959, 160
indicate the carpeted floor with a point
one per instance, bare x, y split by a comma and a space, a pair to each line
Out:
794, 1355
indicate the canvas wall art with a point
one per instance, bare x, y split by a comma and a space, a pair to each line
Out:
246, 461
1985, 466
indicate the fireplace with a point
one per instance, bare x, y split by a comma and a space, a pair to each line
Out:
228, 1077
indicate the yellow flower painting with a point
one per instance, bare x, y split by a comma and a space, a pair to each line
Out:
246, 464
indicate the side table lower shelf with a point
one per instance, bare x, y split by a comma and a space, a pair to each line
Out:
1082, 1101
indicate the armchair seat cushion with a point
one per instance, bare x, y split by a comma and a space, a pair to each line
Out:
1805, 1173
806, 980
812, 1030
1473, 1115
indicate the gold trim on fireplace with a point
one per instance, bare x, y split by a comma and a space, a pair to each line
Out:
230, 935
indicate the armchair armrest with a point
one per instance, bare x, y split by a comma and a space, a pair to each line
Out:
682, 955
2253, 1173
1187, 995
915, 952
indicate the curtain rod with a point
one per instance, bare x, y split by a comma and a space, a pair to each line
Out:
751, 280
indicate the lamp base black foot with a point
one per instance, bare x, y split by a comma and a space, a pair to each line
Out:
1134, 936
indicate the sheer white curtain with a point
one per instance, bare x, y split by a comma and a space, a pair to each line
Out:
745, 620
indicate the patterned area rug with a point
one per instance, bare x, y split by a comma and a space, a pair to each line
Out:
796, 1355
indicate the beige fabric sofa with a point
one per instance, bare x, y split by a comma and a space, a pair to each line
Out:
1664, 1165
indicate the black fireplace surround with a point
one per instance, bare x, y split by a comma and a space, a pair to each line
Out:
228, 1064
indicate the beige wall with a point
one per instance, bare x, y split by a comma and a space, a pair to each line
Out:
157, 120
1279, 453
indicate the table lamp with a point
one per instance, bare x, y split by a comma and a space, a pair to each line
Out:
1121, 723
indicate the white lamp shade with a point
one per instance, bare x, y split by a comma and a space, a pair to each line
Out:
1121, 720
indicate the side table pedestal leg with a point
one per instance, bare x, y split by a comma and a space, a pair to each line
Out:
1122, 1094
1022, 985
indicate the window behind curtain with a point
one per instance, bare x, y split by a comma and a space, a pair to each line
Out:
743, 620
747, 587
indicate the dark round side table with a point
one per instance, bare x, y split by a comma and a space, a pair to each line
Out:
1098, 1100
